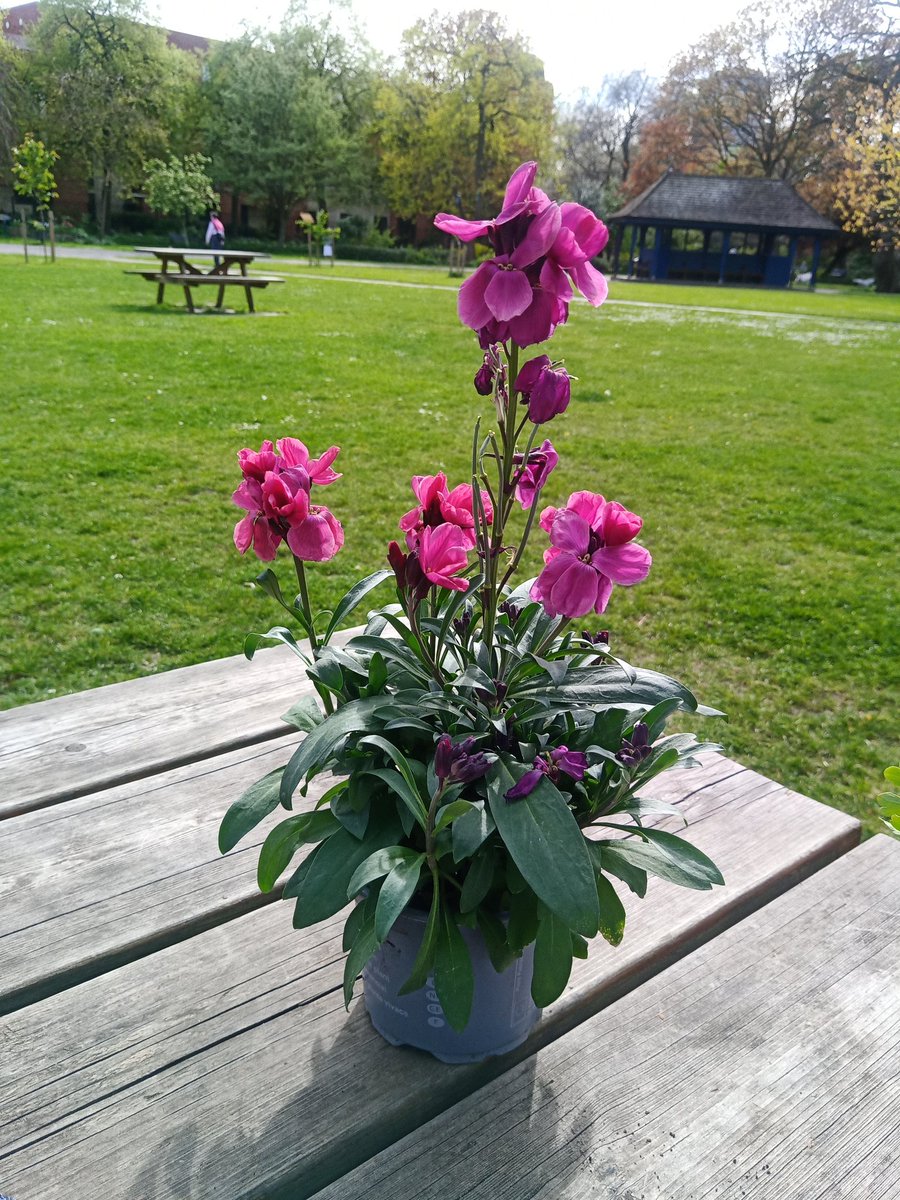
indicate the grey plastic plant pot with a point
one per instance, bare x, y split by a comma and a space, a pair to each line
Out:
503, 1012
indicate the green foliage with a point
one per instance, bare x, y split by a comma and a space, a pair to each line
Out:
889, 802
32, 169
102, 81
286, 115
180, 186
469, 103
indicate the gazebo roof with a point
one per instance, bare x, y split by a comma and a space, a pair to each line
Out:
724, 202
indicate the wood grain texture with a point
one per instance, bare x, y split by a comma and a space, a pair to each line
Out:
766, 1064
76, 744
225, 1066
91, 884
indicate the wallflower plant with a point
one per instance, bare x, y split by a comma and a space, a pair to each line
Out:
483, 755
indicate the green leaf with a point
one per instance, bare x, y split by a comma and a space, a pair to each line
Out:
612, 911
521, 928
349, 601
353, 816
552, 959
317, 747
470, 830
451, 812
304, 715
378, 675
402, 764
494, 933
323, 890
260, 799
292, 888
614, 685
396, 892
400, 787
546, 844
687, 856
285, 839
454, 980
478, 881
579, 946
425, 958
655, 861
357, 917
364, 946
892, 775
606, 858
377, 865
277, 633
267, 582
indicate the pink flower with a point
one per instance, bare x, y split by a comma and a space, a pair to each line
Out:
295, 454
546, 389
255, 529
318, 537
437, 505
534, 473
523, 293
443, 553
255, 463
275, 492
591, 548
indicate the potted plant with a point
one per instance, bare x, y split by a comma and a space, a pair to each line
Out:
483, 754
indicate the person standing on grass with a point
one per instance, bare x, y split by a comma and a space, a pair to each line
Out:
215, 234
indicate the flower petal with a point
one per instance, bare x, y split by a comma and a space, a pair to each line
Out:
618, 525
318, 538
570, 533
473, 311
574, 593
539, 237
508, 294
590, 283
623, 564
293, 451
458, 227
320, 471
520, 184
588, 505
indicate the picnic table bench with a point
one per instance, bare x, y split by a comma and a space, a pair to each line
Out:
167, 1034
177, 270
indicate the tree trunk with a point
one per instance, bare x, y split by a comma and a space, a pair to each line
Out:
887, 270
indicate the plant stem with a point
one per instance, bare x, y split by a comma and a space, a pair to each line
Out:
324, 693
429, 829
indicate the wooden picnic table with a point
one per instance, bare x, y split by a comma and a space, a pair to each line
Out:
167, 1034
176, 269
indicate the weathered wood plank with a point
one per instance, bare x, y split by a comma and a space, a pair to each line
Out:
76, 744
101, 880
226, 1066
766, 1064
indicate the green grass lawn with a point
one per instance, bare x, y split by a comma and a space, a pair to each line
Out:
760, 451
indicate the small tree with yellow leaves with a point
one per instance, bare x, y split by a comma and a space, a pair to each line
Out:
32, 169
869, 190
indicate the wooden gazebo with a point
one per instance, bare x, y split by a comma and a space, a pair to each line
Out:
718, 229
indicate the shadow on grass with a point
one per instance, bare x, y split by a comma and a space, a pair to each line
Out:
172, 310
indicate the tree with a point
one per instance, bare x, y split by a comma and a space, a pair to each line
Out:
288, 115
869, 192
469, 103
180, 187
11, 96
100, 77
598, 139
32, 168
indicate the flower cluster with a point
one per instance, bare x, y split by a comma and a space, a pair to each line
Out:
540, 249
591, 547
276, 491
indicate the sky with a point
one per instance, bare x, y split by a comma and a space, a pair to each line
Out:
579, 43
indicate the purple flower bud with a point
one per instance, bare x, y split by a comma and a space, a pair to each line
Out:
637, 748
545, 388
512, 611
573, 762
484, 379
456, 763
526, 784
